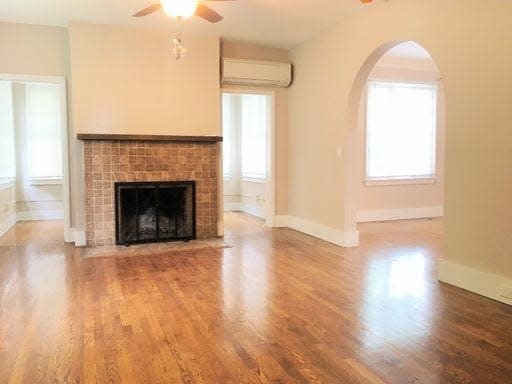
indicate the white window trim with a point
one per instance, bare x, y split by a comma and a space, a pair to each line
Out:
45, 181
414, 180
401, 180
254, 179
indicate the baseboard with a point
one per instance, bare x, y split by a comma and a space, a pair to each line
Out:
320, 231
7, 223
76, 236
483, 283
232, 207
72, 235
399, 214
79, 238
244, 207
252, 210
56, 214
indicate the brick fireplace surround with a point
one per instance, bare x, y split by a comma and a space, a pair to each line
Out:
109, 161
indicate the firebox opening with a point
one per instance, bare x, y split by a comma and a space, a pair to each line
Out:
155, 211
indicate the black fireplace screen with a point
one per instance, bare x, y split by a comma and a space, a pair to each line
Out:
152, 212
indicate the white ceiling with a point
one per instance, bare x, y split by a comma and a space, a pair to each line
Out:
278, 23
409, 50
408, 55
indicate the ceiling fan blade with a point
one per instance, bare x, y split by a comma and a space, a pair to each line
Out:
208, 14
148, 10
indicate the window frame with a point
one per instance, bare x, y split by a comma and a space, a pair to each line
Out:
12, 167
248, 176
43, 180
409, 179
227, 146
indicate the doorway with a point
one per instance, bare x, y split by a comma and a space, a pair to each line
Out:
248, 153
400, 138
34, 172
396, 138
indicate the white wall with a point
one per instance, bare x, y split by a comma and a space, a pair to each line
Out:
389, 202
126, 81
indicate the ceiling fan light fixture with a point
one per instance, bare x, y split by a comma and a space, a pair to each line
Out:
182, 9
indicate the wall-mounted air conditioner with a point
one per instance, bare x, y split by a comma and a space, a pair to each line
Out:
260, 73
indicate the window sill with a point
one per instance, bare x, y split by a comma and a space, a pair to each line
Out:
6, 183
49, 181
255, 180
405, 181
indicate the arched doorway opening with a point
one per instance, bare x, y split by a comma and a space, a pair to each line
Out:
402, 175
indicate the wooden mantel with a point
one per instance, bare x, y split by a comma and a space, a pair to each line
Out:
180, 139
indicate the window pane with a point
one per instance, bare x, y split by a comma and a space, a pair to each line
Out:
254, 134
7, 157
401, 130
227, 133
43, 130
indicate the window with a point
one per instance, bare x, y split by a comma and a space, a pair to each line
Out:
254, 136
227, 135
43, 131
401, 131
7, 157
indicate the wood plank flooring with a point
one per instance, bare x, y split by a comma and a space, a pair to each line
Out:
277, 307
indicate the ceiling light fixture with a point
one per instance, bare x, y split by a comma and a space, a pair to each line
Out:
179, 9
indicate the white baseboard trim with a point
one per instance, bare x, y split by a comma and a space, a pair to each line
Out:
483, 283
40, 215
244, 207
320, 231
79, 237
76, 236
253, 210
71, 235
232, 207
7, 223
399, 214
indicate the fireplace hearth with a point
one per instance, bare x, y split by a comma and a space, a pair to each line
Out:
154, 211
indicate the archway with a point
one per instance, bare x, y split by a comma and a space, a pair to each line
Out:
351, 150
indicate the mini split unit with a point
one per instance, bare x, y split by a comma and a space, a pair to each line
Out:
260, 73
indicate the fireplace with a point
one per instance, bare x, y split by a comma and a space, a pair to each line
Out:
123, 159
154, 211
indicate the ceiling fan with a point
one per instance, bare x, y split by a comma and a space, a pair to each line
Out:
182, 9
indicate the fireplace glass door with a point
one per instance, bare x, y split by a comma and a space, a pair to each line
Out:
152, 212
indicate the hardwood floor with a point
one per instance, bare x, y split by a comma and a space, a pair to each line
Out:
277, 307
